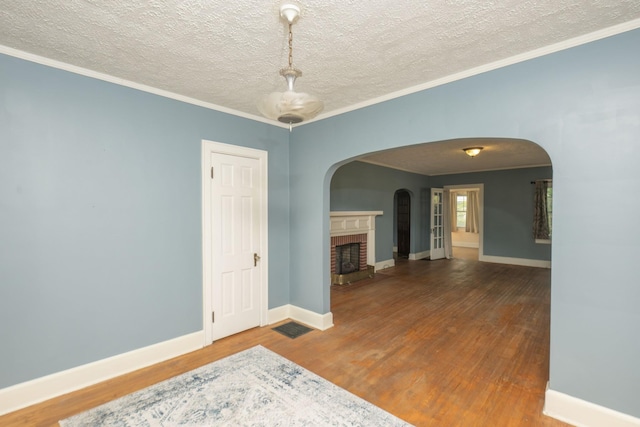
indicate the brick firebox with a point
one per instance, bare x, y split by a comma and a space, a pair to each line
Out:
343, 240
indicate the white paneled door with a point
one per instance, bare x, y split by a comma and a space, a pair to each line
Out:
236, 292
437, 224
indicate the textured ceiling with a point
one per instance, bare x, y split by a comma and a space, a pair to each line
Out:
447, 157
228, 53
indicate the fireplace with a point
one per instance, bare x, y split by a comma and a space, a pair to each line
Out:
352, 246
347, 258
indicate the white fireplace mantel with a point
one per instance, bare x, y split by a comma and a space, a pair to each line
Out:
346, 223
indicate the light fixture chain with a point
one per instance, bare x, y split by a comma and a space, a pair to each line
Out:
290, 106
290, 47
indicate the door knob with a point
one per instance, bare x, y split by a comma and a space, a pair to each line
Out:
256, 258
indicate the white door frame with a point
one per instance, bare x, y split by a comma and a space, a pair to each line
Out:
440, 252
480, 188
208, 148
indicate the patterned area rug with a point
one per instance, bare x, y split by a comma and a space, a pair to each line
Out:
255, 387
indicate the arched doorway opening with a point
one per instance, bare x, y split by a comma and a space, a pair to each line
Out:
402, 210
508, 210
502, 176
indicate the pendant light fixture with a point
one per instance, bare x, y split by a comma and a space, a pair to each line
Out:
290, 107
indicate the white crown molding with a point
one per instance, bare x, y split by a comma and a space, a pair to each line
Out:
536, 53
381, 164
127, 83
576, 41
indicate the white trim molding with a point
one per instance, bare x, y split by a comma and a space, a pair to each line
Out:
480, 189
420, 255
40, 389
278, 314
128, 83
516, 261
208, 149
566, 44
581, 413
318, 321
381, 265
346, 223
545, 50
462, 244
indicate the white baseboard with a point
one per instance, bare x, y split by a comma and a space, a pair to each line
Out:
385, 264
473, 245
310, 318
581, 413
420, 255
278, 314
40, 389
516, 261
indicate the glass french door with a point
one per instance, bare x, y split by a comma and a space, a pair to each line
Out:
437, 224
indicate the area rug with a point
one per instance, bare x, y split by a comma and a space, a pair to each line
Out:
255, 387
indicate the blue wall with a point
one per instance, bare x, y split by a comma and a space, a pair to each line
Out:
100, 217
508, 205
359, 186
508, 210
582, 106
100, 207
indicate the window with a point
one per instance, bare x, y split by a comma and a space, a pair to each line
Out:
542, 215
461, 210
549, 205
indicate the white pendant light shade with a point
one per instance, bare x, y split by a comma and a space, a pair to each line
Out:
290, 107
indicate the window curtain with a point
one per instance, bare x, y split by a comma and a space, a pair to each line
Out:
473, 208
446, 222
540, 214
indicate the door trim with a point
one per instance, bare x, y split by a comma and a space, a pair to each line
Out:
440, 252
480, 188
209, 148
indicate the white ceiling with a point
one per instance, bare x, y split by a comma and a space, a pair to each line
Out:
445, 157
352, 53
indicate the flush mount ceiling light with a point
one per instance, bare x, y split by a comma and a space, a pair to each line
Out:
290, 107
472, 151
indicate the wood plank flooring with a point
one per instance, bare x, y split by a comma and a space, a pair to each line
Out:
436, 343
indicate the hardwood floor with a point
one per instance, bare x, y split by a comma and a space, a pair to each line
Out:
436, 343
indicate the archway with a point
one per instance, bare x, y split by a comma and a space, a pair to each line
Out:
402, 220
542, 100
503, 185
504, 235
